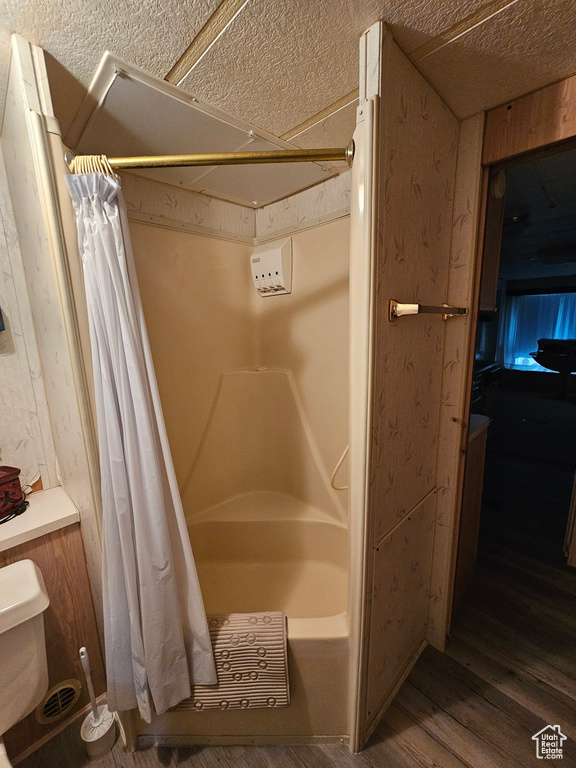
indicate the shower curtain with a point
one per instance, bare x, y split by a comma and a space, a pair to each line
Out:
156, 637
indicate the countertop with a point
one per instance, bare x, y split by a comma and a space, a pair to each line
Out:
49, 511
478, 423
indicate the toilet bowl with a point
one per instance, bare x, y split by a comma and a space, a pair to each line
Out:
23, 670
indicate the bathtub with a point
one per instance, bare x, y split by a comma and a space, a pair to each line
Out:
297, 566
264, 563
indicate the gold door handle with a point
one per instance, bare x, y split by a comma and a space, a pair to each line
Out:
396, 310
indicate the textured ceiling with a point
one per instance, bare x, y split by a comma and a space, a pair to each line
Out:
280, 65
525, 47
148, 33
539, 237
290, 60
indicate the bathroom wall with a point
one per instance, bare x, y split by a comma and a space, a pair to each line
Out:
26, 436
164, 205
426, 213
39, 403
26, 143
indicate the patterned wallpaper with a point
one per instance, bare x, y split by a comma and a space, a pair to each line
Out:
26, 436
316, 205
150, 201
153, 202
427, 215
43, 256
416, 188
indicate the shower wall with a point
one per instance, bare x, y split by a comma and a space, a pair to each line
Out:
197, 302
204, 318
307, 332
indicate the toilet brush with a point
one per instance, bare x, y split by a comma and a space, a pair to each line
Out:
98, 730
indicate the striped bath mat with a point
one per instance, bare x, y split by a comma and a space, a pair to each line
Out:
251, 662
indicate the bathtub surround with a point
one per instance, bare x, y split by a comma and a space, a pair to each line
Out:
259, 442
198, 296
255, 395
155, 631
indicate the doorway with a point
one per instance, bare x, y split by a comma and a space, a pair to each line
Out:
522, 438
514, 624
521, 597
525, 353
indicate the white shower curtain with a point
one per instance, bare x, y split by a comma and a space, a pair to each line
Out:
156, 636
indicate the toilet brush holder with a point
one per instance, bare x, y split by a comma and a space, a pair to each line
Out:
98, 731
99, 736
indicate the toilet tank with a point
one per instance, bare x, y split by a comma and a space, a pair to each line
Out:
23, 667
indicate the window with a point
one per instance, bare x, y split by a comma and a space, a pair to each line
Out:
543, 316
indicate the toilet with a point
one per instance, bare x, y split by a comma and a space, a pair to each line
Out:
23, 667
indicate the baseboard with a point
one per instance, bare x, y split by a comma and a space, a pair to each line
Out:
147, 741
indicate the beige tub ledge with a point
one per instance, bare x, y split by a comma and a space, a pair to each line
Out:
262, 506
48, 511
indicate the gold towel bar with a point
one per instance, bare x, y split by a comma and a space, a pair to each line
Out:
397, 310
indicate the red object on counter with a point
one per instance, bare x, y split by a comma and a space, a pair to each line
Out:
11, 496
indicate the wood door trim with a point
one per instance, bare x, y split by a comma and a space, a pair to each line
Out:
474, 309
531, 122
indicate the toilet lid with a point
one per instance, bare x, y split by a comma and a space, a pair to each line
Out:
22, 594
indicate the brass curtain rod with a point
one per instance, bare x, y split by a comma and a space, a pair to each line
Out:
230, 158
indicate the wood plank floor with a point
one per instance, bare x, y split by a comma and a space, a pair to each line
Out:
509, 669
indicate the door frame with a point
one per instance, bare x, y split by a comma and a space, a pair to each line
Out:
540, 123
